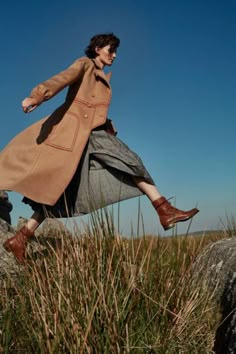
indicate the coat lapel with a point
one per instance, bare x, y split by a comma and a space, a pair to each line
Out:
108, 76
100, 73
105, 77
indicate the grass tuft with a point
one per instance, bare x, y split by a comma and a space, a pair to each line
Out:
100, 293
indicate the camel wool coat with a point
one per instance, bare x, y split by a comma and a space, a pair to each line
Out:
40, 162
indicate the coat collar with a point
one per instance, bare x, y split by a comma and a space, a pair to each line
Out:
100, 72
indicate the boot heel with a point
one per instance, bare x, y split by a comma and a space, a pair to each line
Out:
168, 227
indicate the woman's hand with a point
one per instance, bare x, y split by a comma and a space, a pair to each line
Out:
29, 104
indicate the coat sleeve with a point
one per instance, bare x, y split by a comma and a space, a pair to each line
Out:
55, 84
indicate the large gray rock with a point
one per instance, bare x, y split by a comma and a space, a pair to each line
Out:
217, 267
5, 207
48, 234
8, 265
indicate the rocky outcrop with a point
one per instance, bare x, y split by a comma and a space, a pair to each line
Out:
8, 264
5, 207
217, 267
49, 233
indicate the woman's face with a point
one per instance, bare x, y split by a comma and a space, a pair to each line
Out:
104, 56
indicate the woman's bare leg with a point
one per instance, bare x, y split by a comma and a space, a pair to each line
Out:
36, 219
150, 190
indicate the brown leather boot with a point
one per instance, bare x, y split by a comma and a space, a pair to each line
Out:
17, 244
169, 215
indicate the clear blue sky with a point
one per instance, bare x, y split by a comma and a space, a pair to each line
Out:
174, 84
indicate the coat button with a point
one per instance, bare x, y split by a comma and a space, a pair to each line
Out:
89, 105
85, 116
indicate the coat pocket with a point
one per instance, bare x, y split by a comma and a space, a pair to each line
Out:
64, 134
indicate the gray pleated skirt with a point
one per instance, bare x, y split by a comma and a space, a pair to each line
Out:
103, 177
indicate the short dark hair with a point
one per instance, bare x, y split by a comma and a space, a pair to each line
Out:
100, 41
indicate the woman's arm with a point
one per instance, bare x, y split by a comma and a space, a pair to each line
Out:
52, 86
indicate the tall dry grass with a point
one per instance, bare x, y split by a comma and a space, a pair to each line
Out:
100, 293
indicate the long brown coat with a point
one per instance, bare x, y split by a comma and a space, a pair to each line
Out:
41, 161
